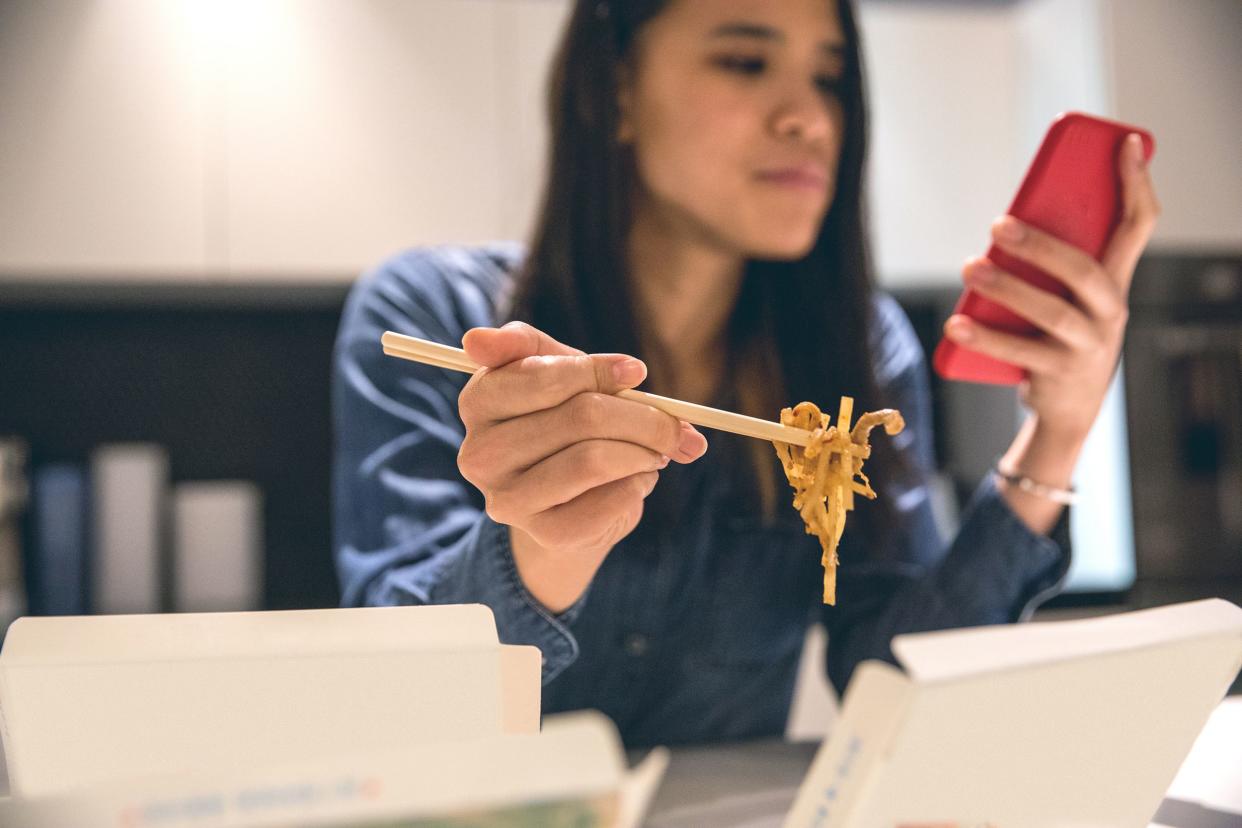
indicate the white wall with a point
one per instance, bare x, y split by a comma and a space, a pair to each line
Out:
235, 139
1177, 69
381, 111
945, 132
381, 124
963, 92
101, 138
1062, 66
309, 138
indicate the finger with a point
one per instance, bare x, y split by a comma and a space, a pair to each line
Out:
1045, 310
493, 347
604, 514
1084, 276
535, 383
569, 473
1139, 212
1034, 354
521, 442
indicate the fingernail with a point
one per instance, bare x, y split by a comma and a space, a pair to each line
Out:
664, 460
628, 371
692, 443
1010, 229
960, 329
1136, 150
982, 275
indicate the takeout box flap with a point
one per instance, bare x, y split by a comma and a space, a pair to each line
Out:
77, 639
521, 679
1108, 703
95, 698
952, 654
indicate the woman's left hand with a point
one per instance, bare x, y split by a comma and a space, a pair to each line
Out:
1071, 362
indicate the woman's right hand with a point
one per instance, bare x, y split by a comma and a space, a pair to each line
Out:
560, 459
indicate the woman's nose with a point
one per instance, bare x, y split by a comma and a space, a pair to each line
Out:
803, 114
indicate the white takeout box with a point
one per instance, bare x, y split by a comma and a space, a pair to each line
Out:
571, 773
94, 699
1069, 723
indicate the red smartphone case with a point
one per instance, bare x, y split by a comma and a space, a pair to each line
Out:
1073, 191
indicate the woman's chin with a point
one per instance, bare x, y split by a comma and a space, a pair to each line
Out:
783, 247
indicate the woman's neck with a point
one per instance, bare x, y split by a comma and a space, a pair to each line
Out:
686, 291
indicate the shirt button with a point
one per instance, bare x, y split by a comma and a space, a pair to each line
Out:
637, 644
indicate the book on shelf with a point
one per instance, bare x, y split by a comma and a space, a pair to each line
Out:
59, 539
13, 501
129, 483
217, 531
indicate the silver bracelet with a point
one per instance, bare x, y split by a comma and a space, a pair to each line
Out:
1066, 497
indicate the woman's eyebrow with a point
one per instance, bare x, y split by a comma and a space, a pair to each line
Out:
759, 31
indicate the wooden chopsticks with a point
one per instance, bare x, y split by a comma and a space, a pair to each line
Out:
455, 359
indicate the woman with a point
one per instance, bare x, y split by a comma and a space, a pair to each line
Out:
701, 234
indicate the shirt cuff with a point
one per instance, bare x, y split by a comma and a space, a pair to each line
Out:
1041, 562
487, 573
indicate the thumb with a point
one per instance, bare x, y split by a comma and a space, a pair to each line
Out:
1139, 212
494, 347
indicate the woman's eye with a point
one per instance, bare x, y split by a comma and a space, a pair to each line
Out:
744, 65
830, 84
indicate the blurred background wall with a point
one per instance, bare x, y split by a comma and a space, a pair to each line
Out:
201, 180
220, 139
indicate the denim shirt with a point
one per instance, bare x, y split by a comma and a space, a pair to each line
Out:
692, 634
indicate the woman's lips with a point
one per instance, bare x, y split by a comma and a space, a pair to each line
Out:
801, 178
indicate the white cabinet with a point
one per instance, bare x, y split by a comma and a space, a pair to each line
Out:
367, 127
354, 129
1177, 69
944, 120
963, 92
102, 144
258, 140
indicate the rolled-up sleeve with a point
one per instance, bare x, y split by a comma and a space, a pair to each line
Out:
994, 571
408, 528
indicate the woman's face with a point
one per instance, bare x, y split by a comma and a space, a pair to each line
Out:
735, 123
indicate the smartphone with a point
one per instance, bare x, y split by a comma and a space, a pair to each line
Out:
1071, 190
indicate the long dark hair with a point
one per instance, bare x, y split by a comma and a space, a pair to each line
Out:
800, 330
